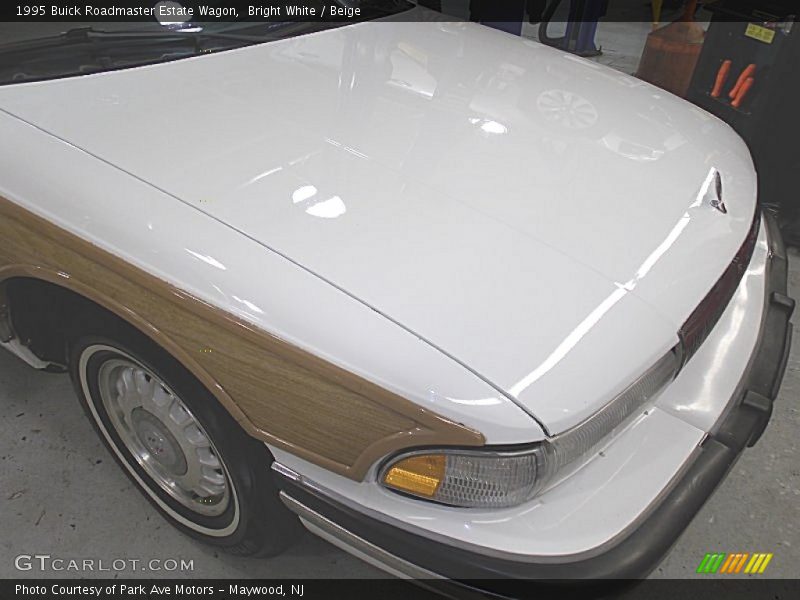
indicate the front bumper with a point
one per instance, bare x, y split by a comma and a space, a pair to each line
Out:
637, 552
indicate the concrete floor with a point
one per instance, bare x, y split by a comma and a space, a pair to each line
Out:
61, 494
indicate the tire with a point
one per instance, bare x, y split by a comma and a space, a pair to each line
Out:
237, 507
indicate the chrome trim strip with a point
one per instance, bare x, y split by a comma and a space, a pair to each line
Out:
9, 339
286, 472
370, 513
24, 353
355, 544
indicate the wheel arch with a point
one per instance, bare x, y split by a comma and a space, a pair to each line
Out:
26, 283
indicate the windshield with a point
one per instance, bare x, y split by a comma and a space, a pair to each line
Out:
40, 51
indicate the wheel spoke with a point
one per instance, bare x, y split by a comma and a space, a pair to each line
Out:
208, 458
161, 398
213, 477
144, 384
208, 489
119, 386
195, 437
178, 414
128, 379
129, 399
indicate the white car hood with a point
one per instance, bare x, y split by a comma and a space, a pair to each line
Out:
535, 216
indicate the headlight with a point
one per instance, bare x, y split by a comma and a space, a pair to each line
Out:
495, 479
469, 479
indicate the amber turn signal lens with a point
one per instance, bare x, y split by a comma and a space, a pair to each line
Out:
468, 478
421, 475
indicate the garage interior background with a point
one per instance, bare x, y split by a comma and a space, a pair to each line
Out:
61, 492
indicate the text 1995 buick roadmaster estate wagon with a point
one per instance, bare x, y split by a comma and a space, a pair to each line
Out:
463, 304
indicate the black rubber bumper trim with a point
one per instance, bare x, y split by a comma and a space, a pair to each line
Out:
641, 550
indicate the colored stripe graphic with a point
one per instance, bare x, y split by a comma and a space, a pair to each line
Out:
764, 564
711, 562
703, 564
731, 562
724, 563
741, 562
759, 562
756, 558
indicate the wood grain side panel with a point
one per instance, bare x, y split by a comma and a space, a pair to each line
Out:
278, 392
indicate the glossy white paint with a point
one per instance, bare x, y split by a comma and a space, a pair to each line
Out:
536, 217
175, 242
718, 365
587, 510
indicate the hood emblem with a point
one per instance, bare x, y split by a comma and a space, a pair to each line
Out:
714, 194
711, 192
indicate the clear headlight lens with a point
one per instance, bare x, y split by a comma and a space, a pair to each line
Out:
576, 443
495, 479
470, 479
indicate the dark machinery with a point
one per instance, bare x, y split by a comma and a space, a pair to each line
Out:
581, 26
746, 75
